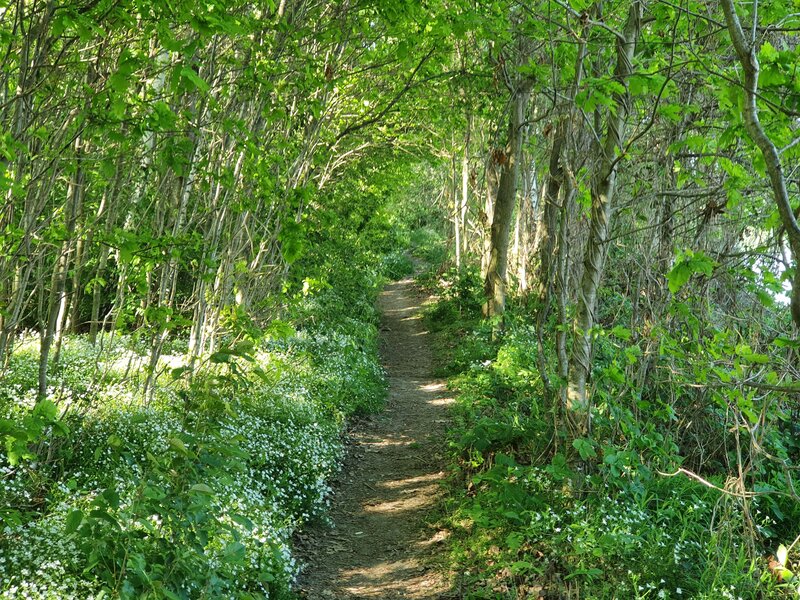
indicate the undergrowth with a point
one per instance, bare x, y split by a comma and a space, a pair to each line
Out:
535, 516
194, 490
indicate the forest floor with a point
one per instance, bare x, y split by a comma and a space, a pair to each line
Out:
382, 543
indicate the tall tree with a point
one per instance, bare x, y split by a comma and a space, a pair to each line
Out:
746, 47
603, 186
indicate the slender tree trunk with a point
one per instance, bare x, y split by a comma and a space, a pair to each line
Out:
108, 211
518, 233
509, 159
74, 321
70, 300
17, 273
554, 184
548, 223
456, 207
562, 276
602, 193
529, 200
488, 213
465, 186
748, 58
56, 307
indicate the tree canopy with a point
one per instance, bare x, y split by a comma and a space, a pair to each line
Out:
620, 178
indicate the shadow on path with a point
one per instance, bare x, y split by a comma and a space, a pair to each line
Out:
380, 544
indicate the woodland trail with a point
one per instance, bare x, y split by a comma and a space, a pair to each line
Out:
380, 545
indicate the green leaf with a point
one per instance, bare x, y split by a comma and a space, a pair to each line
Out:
614, 87
46, 410
243, 521
746, 352
111, 498
765, 298
782, 555
671, 112
195, 79
223, 356
119, 82
266, 577
559, 468
590, 573
589, 100
178, 445
178, 372
234, 552
515, 540
723, 374
101, 514
292, 241
760, 359
402, 50
768, 53
785, 342
688, 264
153, 493
74, 520
678, 277
585, 448
520, 566
621, 332
201, 488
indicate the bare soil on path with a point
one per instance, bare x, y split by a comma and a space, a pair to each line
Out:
381, 544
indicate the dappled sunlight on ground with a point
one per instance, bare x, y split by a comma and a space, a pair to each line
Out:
411, 310
435, 387
411, 481
415, 318
383, 540
442, 401
414, 499
400, 578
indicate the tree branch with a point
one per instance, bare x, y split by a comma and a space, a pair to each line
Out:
749, 61
372, 120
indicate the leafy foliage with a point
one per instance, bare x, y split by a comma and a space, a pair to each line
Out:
534, 512
196, 493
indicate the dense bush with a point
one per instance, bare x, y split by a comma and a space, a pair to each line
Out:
536, 513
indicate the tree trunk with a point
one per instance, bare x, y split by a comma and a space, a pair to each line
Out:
602, 193
56, 307
748, 58
547, 226
465, 186
456, 211
508, 160
487, 214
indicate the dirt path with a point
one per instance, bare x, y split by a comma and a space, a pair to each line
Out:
380, 544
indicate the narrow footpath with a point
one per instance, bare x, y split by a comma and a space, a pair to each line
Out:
381, 542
